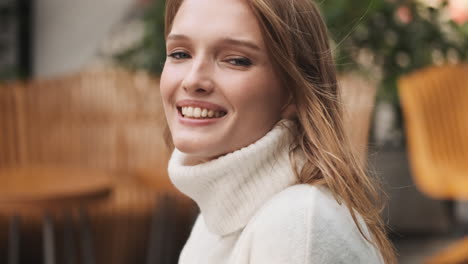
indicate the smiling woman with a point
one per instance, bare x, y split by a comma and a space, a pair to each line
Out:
250, 96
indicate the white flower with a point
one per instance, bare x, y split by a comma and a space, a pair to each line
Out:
458, 11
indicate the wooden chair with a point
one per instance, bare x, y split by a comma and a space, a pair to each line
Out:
109, 120
358, 98
11, 126
434, 102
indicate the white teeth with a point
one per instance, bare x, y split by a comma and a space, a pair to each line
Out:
197, 112
189, 111
210, 113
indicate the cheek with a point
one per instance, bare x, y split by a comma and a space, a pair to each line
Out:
257, 92
168, 84
167, 88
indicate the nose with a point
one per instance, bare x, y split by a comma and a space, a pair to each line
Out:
198, 80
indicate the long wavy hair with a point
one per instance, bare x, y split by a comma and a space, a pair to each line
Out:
298, 43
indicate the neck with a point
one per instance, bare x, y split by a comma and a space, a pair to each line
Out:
231, 188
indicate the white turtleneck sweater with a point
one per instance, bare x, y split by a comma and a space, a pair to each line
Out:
253, 212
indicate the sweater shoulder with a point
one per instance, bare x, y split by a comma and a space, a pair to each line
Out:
311, 208
293, 201
310, 224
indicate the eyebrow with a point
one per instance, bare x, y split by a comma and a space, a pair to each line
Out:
228, 40
241, 42
177, 37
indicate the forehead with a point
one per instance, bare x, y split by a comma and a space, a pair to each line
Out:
216, 18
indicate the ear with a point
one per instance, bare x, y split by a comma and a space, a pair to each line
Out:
289, 111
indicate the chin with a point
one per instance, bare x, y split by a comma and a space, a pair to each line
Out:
202, 150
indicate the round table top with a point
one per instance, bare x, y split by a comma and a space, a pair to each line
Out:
52, 184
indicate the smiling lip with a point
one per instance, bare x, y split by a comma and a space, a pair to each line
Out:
198, 122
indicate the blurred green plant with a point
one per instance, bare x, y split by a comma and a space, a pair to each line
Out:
7, 72
383, 38
391, 38
150, 52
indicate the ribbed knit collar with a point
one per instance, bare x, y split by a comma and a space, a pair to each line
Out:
231, 188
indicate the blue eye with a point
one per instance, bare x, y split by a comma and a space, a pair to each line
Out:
240, 62
179, 55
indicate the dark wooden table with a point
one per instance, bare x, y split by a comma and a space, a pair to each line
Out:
46, 189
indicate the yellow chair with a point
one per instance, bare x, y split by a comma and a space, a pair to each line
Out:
435, 107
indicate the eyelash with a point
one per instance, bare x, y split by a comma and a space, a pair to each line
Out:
242, 62
176, 55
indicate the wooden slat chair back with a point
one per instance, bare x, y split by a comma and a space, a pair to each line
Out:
435, 108
107, 119
11, 126
358, 98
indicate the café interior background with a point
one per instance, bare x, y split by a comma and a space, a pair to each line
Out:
82, 154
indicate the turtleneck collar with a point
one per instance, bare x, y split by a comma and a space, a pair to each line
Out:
231, 188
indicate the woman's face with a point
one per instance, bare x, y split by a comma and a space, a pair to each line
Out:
219, 88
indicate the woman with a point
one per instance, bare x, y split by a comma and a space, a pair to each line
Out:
250, 96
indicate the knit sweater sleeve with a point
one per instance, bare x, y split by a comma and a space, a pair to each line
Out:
304, 225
